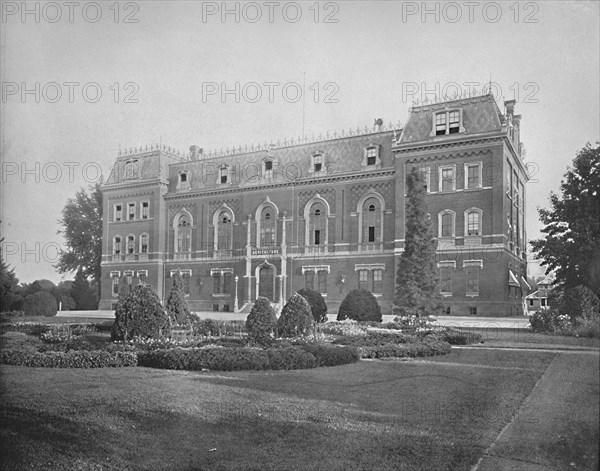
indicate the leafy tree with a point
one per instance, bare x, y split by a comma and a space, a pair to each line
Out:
82, 222
570, 247
360, 305
120, 327
417, 280
261, 321
296, 318
40, 304
140, 315
85, 299
9, 285
318, 307
177, 306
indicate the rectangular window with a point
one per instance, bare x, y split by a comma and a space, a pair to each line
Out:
473, 223
227, 283
473, 311
531, 302
216, 283
378, 281
424, 175
447, 179
371, 233
269, 165
446, 279
363, 279
309, 280
454, 122
509, 183
440, 124
130, 244
473, 176
144, 244
145, 209
183, 177
317, 237
543, 302
131, 211
115, 285
322, 277
472, 280
118, 212
223, 178
215, 307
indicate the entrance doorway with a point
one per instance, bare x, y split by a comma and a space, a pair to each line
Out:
266, 283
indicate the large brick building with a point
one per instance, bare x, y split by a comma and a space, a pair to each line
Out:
326, 213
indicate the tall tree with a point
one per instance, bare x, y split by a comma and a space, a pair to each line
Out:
417, 280
82, 222
570, 246
85, 299
9, 285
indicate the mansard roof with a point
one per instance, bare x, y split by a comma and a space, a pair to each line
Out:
290, 162
479, 115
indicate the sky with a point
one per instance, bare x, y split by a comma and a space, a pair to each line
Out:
80, 82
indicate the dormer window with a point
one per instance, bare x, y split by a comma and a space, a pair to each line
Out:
447, 122
132, 169
268, 165
223, 175
318, 163
184, 180
371, 156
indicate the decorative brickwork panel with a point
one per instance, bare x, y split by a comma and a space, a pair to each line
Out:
328, 194
358, 191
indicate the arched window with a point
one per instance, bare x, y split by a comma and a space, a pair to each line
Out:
144, 243
371, 221
473, 222
224, 231
446, 223
130, 244
317, 224
117, 245
183, 237
268, 227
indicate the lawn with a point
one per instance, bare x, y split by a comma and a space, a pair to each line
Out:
412, 415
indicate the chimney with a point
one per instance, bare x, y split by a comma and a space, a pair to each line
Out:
510, 107
195, 152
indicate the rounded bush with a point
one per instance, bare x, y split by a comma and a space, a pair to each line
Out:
40, 304
296, 318
140, 315
317, 304
261, 322
360, 305
290, 358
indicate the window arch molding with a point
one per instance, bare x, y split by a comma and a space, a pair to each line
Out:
479, 221
144, 237
183, 222
452, 215
359, 210
267, 203
117, 245
307, 219
227, 211
130, 244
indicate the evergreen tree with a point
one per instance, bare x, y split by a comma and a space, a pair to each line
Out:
85, 299
177, 306
570, 247
140, 314
121, 325
318, 307
261, 322
9, 285
417, 280
296, 318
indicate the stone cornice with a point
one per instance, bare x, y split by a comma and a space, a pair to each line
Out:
415, 147
380, 174
132, 186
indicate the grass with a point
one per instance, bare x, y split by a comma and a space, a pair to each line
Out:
518, 337
419, 415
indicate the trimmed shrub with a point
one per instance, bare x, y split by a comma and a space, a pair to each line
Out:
332, 355
219, 359
375, 338
261, 322
40, 304
19, 341
317, 304
11, 314
296, 318
290, 358
360, 305
177, 306
407, 350
458, 337
72, 359
140, 315
344, 328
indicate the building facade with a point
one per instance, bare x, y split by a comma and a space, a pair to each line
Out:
326, 214
538, 300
